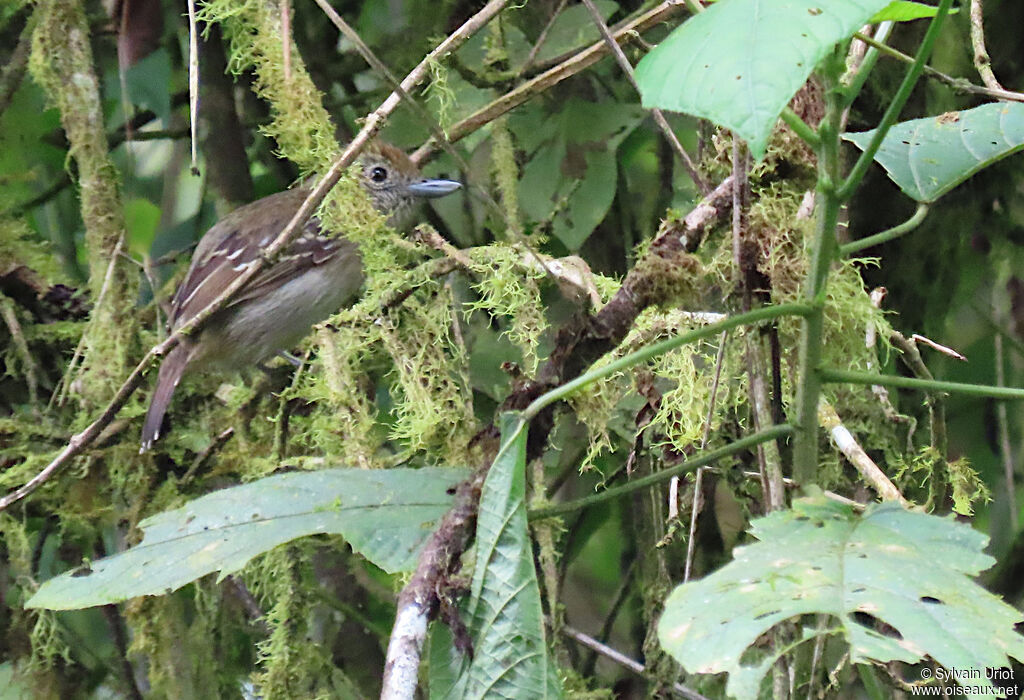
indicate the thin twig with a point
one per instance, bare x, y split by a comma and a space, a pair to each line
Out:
193, 84
373, 122
535, 49
623, 660
691, 542
60, 394
21, 345
117, 633
620, 596
911, 357
659, 117
960, 84
204, 457
14, 71
981, 59
571, 66
1002, 422
285, 9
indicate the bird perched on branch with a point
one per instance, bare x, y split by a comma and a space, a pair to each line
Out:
317, 274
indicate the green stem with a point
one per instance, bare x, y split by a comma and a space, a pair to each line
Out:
644, 354
887, 235
902, 95
869, 679
805, 444
800, 128
744, 443
842, 376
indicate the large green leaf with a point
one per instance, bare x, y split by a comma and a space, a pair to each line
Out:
384, 514
506, 622
739, 62
929, 157
903, 568
570, 180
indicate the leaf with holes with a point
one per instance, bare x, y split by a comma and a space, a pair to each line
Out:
739, 62
929, 157
896, 583
384, 514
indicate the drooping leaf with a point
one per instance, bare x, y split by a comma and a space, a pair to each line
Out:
906, 11
905, 569
739, 62
384, 514
504, 614
929, 157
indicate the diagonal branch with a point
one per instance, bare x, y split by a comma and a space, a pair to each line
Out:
571, 66
577, 346
371, 125
659, 117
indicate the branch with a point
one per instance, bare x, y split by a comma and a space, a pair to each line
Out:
847, 444
584, 59
659, 117
621, 659
577, 346
981, 59
371, 125
960, 84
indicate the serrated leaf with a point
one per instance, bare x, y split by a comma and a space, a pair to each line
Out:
906, 569
739, 62
506, 622
385, 515
929, 157
906, 11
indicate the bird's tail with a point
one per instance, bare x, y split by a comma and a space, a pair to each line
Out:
167, 380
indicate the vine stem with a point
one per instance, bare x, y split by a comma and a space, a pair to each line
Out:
805, 444
887, 235
832, 192
902, 95
773, 433
651, 351
841, 376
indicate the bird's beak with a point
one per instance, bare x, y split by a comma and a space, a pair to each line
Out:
432, 189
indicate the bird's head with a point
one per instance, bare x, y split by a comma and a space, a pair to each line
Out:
394, 183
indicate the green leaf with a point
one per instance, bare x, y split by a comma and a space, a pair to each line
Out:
572, 29
384, 514
905, 11
571, 179
904, 568
505, 618
929, 157
146, 82
739, 62
142, 218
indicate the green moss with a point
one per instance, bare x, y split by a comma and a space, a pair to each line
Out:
300, 125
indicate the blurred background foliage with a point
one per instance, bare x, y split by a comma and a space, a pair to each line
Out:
592, 177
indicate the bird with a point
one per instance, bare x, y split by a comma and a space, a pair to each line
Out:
317, 274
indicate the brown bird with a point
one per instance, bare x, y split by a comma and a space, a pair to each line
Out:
317, 274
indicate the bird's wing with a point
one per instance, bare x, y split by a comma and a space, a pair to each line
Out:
228, 249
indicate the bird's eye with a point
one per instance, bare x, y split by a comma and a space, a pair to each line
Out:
379, 174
